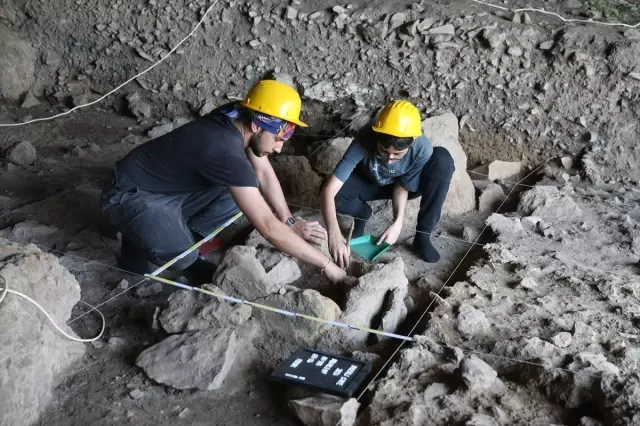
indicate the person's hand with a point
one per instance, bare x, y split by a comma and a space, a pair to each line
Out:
311, 232
334, 273
339, 250
390, 236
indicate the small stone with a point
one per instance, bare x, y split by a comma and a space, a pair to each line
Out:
567, 162
443, 30
397, 19
98, 344
471, 321
504, 226
282, 291
526, 19
515, 51
562, 339
160, 130
546, 45
255, 43
123, 285
149, 290
530, 223
635, 75
481, 420
22, 154
477, 374
184, 413
136, 394
529, 283
470, 233
29, 100
292, 13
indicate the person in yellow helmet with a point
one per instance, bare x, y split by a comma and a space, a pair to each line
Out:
393, 160
175, 189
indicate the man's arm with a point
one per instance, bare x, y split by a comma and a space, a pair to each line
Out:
270, 185
399, 202
255, 208
328, 204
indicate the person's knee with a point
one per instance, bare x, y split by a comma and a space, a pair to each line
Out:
443, 163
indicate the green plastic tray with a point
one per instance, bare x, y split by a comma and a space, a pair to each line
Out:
366, 247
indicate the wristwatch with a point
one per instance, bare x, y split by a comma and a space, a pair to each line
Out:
291, 221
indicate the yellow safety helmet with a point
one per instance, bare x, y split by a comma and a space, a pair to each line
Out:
275, 99
399, 118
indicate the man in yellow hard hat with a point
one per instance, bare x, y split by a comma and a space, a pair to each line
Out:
390, 160
177, 188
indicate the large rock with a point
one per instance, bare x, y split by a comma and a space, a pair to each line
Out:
22, 154
300, 184
194, 311
242, 275
472, 322
200, 360
504, 226
17, 64
443, 131
366, 302
28, 376
298, 330
491, 198
326, 158
396, 312
498, 170
325, 410
548, 203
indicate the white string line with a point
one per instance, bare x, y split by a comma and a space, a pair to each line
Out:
438, 293
64, 191
126, 82
530, 9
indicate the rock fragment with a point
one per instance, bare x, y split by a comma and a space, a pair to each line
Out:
562, 339
477, 374
22, 154
472, 322
491, 198
325, 410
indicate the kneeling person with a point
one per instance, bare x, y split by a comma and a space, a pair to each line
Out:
390, 160
170, 191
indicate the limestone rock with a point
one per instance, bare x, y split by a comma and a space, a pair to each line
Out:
472, 322
199, 360
327, 157
481, 420
491, 198
443, 131
537, 348
137, 107
193, 311
284, 272
29, 100
28, 376
241, 274
562, 339
22, 154
366, 301
550, 204
504, 226
299, 330
17, 64
396, 313
477, 374
286, 79
530, 223
470, 233
503, 169
301, 185
528, 283
325, 410
160, 130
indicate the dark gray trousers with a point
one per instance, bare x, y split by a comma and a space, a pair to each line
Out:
158, 227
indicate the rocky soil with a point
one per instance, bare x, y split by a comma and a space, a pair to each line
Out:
535, 325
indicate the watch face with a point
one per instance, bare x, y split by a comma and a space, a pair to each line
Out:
291, 221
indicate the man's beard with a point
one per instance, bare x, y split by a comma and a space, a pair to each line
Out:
256, 146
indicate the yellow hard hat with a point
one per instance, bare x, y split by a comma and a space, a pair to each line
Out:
399, 118
275, 99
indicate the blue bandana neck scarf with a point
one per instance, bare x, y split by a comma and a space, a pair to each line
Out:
277, 126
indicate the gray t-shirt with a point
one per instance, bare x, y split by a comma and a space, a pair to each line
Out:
363, 156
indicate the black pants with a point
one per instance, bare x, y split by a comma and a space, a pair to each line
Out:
158, 227
434, 184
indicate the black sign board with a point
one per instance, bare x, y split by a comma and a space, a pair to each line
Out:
332, 374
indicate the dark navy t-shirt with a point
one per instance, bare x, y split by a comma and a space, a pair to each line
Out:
362, 156
197, 156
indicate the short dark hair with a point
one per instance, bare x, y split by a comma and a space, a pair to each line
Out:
389, 141
246, 116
